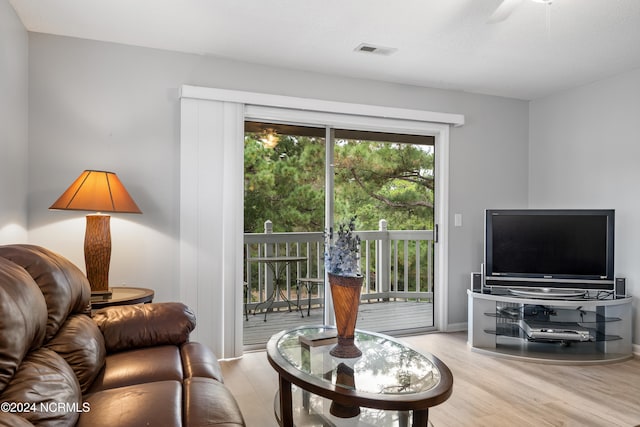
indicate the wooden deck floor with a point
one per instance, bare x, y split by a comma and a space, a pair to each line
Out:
392, 317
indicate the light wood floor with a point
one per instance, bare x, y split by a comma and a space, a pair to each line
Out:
487, 391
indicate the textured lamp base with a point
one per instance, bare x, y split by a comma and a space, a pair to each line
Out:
97, 252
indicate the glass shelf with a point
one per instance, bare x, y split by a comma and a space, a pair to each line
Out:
550, 314
515, 331
311, 410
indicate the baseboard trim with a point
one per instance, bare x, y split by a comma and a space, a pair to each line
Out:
456, 327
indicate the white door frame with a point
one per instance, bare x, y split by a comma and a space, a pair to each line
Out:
211, 200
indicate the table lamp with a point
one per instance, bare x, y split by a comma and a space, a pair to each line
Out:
97, 191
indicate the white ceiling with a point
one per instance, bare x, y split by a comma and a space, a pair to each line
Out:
536, 51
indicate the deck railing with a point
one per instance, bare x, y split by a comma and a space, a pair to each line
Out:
395, 264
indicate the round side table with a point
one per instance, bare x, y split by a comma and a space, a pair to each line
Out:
124, 295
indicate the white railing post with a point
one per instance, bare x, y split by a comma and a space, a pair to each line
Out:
383, 267
268, 251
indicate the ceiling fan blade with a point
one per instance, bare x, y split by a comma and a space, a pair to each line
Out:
503, 11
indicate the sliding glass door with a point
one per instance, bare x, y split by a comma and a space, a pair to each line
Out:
300, 180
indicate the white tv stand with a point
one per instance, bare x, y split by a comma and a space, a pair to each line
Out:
580, 330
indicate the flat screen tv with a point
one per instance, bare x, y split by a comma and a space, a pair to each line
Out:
535, 248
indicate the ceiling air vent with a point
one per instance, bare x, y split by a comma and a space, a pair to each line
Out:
377, 50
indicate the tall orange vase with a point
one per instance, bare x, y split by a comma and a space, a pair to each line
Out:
345, 293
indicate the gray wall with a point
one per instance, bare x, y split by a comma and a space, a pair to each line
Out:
70, 104
14, 51
585, 153
115, 107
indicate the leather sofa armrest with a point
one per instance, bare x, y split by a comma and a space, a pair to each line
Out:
128, 327
198, 360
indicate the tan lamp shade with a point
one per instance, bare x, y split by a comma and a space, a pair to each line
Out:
97, 191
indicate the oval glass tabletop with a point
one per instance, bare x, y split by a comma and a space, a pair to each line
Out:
386, 367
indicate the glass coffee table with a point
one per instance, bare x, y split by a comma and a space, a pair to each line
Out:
390, 384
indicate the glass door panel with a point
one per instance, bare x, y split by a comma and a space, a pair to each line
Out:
387, 181
284, 198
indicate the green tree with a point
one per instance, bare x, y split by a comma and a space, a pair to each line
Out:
284, 184
373, 180
376, 180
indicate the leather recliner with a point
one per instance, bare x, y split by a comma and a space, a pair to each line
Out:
124, 366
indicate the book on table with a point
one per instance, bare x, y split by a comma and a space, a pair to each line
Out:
319, 339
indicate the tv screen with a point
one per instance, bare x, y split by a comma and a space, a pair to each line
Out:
551, 248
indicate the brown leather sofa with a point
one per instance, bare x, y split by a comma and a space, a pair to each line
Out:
125, 366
